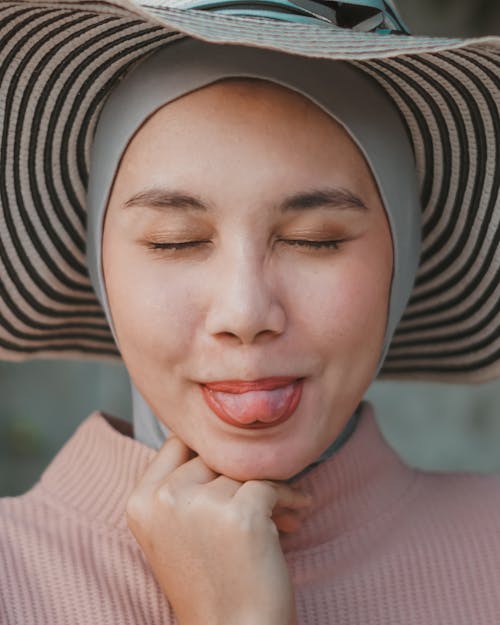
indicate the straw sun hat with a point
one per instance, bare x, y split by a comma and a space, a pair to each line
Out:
60, 59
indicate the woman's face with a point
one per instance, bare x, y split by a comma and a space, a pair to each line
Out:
282, 267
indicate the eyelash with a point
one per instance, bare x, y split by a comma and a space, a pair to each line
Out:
333, 244
175, 246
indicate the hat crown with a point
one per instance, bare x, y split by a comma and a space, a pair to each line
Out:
358, 15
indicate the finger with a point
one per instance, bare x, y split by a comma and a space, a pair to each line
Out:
173, 454
264, 496
194, 471
224, 486
290, 497
288, 522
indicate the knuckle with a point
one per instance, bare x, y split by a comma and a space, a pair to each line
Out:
254, 486
262, 486
135, 507
136, 515
165, 496
235, 520
245, 521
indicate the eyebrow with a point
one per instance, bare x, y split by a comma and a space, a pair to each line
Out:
165, 199
336, 197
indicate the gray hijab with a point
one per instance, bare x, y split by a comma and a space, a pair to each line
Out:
342, 91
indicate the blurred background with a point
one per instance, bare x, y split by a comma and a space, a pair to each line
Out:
451, 18
432, 426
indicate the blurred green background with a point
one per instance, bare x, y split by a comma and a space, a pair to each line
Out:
433, 426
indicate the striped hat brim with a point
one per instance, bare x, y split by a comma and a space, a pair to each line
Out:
58, 62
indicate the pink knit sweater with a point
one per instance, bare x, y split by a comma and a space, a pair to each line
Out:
385, 544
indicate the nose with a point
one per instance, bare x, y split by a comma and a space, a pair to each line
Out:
244, 305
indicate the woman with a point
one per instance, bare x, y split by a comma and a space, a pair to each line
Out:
253, 278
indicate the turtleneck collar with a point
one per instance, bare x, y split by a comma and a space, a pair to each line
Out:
364, 480
95, 472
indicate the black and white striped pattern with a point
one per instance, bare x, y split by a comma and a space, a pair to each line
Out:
58, 61
452, 325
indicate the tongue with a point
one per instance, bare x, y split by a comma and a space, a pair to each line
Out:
264, 406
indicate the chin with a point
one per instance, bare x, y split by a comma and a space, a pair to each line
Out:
251, 468
242, 475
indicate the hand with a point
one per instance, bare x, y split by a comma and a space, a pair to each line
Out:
212, 542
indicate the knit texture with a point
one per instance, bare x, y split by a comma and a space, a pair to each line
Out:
384, 545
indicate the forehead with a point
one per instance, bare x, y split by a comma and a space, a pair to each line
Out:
247, 98
254, 91
243, 136
248, 118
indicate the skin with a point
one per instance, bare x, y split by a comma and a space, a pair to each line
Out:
247, 304
242, 300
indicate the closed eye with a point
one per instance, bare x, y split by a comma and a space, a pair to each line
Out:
334, 244
180, 245
177, 245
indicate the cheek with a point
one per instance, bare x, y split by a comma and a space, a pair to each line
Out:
345, 307
154, 314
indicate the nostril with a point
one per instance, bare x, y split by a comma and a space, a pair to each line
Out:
247, 338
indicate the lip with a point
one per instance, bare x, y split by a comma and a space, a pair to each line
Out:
235, 387
242, 386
